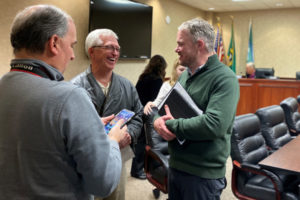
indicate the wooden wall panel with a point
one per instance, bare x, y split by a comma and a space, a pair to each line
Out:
258, 93
247, 92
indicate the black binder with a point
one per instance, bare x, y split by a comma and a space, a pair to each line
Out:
180, 103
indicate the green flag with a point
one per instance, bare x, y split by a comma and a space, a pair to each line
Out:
231, 51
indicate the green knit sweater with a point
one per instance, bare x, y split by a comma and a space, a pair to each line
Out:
215, 90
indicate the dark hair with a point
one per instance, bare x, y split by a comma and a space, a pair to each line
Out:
156, 67
35, 25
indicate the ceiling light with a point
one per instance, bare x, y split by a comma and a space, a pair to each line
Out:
279, 4
211, 8
240, 0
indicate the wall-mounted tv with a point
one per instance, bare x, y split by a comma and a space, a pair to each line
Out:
132, 21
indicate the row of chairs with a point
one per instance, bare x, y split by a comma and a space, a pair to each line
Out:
254, 137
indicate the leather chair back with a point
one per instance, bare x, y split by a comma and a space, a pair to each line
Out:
292, 116
297, 75
157, 156
298, 99
153, 139
247, 142
273, 126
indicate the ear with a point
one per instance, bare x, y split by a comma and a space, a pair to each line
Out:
53, 44
91, 52
200, 43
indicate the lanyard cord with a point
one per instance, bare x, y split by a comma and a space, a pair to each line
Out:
31, 69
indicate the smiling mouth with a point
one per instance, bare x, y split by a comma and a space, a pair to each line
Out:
112, 60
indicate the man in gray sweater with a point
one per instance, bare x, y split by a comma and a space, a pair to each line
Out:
52, 141
110, 92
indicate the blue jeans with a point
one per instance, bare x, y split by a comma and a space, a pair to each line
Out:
184, 186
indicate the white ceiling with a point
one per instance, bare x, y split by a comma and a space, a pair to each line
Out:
240, 5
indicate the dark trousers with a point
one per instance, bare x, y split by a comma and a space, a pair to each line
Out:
184, 186
138, 162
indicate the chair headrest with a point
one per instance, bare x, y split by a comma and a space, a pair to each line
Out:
297, 75
290, 104
246, 125
271, 115
264, 72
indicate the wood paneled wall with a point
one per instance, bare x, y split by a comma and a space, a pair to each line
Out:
258, 93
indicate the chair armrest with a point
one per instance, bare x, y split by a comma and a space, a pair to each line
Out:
157, 156
256, 169
250, 166
159, 176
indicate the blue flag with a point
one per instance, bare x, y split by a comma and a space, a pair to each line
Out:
250, 55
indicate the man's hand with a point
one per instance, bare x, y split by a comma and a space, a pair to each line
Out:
117, 133
168, 112
107, 119
160, 125
125, 141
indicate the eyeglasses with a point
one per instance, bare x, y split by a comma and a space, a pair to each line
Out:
109, 48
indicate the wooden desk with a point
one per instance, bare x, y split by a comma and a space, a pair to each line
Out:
258, 93
286, 158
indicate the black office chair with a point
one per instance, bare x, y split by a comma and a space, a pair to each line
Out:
292, 116
249, 180
264, 73
156, 158
297, 75
298, 99
273, 126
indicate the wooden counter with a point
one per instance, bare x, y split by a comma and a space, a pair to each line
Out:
258, 93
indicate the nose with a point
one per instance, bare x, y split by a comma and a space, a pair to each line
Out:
116, 53
72, 56
176, 49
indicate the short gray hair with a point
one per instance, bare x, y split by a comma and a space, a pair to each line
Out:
93, 38
35, 25
200, 29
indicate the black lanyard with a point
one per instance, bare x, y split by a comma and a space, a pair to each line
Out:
31, 69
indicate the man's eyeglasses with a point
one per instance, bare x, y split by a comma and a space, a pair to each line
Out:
109, 48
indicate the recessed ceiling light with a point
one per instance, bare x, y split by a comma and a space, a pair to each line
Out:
241, 0
211, 8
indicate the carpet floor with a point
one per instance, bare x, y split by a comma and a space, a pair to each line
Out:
142, 190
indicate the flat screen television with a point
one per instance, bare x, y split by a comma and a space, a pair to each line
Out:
131, 21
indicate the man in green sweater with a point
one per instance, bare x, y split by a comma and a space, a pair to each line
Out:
200, 146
